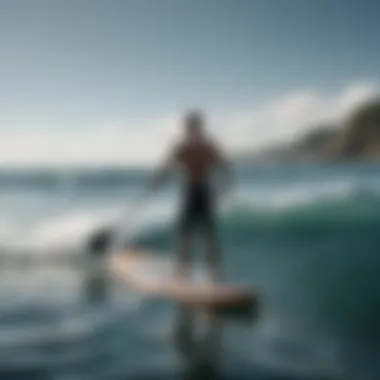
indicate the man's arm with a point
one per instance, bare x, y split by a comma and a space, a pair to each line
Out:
161, 174
224, 166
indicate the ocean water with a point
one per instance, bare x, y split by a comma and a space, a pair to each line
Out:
306, 236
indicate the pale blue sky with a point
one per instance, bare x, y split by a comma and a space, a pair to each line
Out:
73, 63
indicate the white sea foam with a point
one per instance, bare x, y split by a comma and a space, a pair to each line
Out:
66, 227
68, 231
299, 194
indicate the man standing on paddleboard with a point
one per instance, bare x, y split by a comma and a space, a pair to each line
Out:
197, 157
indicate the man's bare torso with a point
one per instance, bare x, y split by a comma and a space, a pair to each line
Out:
196, 159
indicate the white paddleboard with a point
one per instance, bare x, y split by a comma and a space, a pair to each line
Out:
153, 274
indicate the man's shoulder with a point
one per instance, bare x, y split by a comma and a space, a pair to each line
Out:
212, 145
206, 144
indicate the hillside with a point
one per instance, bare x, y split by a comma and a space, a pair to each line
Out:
362, 132
357, 138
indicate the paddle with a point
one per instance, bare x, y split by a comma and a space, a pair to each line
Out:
107, 238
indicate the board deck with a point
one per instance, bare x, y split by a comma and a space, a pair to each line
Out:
152, 274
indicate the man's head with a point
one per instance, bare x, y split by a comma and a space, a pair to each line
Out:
194, 124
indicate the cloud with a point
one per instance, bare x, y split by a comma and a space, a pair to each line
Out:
290, 116
143, 142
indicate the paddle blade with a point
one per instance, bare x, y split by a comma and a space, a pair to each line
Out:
100, 242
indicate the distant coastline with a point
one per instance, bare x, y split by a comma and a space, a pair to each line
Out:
356, 139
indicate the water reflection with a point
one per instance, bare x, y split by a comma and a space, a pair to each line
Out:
200, 350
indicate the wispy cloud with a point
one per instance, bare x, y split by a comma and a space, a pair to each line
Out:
143, 142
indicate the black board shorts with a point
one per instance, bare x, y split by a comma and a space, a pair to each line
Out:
197, 208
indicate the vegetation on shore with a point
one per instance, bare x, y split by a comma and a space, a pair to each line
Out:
357, 138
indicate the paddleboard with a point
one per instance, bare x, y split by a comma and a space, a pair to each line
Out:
153, 274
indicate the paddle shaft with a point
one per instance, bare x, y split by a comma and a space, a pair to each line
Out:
109, 238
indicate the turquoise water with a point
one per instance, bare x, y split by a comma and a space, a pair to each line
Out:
305, 236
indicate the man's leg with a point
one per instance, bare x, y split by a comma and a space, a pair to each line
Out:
184, 334
207, 220
213, 254
183, 255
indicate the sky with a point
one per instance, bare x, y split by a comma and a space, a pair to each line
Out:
95, 82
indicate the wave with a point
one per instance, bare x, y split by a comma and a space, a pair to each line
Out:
359, 214
250, 216
244, 220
